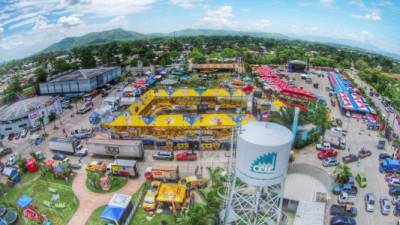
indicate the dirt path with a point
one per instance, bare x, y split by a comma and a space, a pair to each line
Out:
89, 201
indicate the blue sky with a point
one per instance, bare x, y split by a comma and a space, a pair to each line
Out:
27, 26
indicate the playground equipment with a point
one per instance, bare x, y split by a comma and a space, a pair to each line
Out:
105, 183
29, 211
31, 165
183, 116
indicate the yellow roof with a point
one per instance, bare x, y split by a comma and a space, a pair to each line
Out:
170, 121
238, 93
161, 93
171, 193
216, 93
123, 120
209, 120
185, 93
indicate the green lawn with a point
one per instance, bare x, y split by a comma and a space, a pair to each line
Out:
95, 219
37, 188
140, 218
116, 184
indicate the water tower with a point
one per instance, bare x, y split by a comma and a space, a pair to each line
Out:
256, 188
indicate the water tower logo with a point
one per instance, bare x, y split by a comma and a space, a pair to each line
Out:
264, 164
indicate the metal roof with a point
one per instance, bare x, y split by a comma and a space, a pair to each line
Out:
81, 74
22, 108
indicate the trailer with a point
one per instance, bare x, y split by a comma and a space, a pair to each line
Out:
390, 166
116, 148
123, 167
162, 174
70, 146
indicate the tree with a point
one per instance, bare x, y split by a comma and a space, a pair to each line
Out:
342, 173
41, 74
197, 56
60, 65
41, 121
87, 58
284, 116
197, 215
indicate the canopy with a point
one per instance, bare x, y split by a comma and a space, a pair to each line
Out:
112, 213
171, 193
24, 201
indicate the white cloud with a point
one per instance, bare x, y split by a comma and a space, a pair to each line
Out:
42, 23
69, 21
187, 3
373, 15
221, 17
1, 30
327, 3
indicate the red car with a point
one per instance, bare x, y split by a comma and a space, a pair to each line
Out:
186, 156
327, 154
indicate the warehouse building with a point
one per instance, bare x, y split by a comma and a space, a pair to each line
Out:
80, 81
26, 113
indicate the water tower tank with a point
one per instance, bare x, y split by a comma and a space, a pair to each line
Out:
263, 152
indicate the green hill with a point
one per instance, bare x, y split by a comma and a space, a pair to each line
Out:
94, 38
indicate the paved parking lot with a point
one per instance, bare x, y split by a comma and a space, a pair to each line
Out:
357, 137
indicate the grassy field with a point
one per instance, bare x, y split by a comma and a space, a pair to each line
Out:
140, 218
194, 81
392, 75
37, 188
95, 219
116, 184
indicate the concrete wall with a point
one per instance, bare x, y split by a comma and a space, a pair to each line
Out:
313, 171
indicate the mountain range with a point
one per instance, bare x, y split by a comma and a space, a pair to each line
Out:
119, 34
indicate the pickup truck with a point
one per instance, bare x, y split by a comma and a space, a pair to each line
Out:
350, 158
363, 153
343, 210
348, 188
344, 198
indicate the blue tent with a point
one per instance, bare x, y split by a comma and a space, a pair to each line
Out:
112, 213
24, 201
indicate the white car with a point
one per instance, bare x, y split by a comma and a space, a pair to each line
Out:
24, 132
369, 202
395, 182
12, 160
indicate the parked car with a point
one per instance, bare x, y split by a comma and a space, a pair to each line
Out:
4, 151
396, 209
348, 188
343, 210
385, 206
11, 136
394, 191
323, 146
163, 155
12, 160
350, 158
17, 136
327, 162
339, 122
342, 220
394, 182
24, 132
344, 198
361, 180
186, 156
327, 154
369, 200
59, 156
363, 153
384, 156
395, 199
96, 166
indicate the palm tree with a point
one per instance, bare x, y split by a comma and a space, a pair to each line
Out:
317, 114
342, 173
284, 116
197, 215
41, 121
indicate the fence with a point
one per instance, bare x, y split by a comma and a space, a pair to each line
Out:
136, 203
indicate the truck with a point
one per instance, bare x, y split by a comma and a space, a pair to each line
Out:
335, 138
70, 146
163, 174
85, 107
123, 167
116, 148
389, 166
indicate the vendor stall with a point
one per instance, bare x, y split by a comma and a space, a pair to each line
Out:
172, 195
